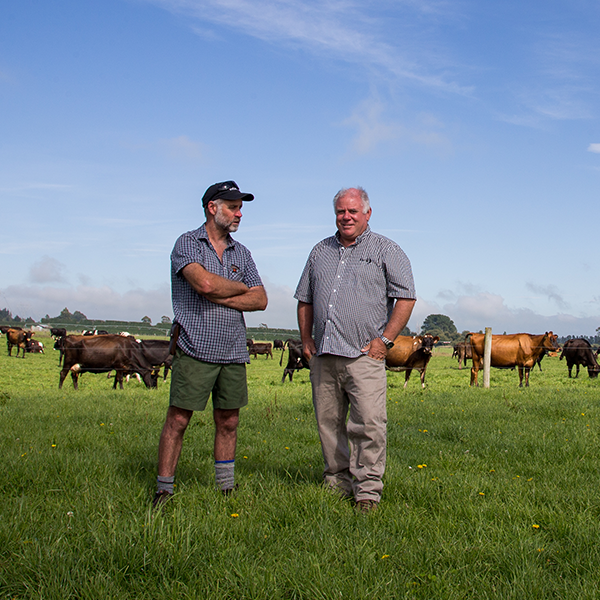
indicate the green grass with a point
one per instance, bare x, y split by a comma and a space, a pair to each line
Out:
488, 493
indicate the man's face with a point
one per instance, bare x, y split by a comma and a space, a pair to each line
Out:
228, 214
349, 217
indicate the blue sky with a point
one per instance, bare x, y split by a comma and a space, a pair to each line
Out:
474, 126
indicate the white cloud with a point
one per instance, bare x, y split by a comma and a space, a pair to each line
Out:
373, 129
339, 29
100, 302
281, 311
47, 270
594, 148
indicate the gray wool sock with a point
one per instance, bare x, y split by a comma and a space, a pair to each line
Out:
165, 484
224, 474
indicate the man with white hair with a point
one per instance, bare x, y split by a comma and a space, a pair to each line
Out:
355, 296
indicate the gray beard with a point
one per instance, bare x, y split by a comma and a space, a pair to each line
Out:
228, 226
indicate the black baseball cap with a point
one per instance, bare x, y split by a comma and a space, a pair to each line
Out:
226, 190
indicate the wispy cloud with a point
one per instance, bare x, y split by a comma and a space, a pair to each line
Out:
594, 148
549, 291
337, 29
374, 129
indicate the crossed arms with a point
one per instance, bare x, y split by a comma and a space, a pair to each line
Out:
217, 289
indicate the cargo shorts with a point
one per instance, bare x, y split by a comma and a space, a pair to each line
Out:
193, 381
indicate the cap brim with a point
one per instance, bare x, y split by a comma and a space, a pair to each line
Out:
233, 195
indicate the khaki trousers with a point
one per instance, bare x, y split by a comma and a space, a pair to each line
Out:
353, 449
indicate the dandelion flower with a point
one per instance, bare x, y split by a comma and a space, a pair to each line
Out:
385, 556
536, 526
235, 515
482, 493
54, 445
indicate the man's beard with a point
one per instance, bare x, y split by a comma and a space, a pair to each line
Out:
223, 223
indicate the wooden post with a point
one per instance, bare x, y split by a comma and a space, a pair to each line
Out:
487, 357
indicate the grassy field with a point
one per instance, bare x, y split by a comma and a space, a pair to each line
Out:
488, 493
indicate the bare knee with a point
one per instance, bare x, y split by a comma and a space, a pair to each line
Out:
226, 421
177, 419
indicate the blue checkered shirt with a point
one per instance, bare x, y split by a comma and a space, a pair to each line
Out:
353, 290
210, 332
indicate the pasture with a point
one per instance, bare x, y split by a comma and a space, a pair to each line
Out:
488, 493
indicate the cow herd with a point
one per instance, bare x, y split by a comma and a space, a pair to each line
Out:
100, 352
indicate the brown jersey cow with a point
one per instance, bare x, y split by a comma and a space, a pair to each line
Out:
18, 338
520, 350
410, 353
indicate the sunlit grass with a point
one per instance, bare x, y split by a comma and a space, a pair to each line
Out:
488, 493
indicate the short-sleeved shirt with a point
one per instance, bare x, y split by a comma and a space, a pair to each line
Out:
210, 332
353, 290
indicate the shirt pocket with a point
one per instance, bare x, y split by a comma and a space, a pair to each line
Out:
235, 273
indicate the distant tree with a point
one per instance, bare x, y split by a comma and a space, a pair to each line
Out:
442, 326
263, 326
406, 331
5, 315
147, 320
165, 320
17, 319
79, 316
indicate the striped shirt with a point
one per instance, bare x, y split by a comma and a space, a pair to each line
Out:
353, 290
210, 332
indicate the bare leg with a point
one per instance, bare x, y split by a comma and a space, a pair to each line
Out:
226, 423
171, 440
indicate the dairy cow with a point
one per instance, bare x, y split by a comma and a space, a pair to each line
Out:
296, 360
520, 350
410, 353
101, 354
261, 348
579, 352
18, 338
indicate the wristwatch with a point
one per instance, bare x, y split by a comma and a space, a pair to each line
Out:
388, 343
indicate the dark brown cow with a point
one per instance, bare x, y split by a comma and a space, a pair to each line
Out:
261, 348
158, 355
278, 345
295, 359
58, 332
18, 338
462, 351
579, 352
411, 353
101, 354
520, 350
35, 347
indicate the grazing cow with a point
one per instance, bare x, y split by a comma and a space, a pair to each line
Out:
18, 338
261, 348
579, 352
296, 360
462, 351
157, 353
520, 350
58, 332
90, 332
101, 354
5, 328
278, 345
410, 353
35, 347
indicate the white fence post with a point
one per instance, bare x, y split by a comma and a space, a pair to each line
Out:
487, 357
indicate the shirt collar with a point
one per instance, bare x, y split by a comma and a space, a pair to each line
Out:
204, 236
358, 240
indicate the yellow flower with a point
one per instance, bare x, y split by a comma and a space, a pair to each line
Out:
234, 515
54, 445
536, 526
245, 457
385, 556
482, 493
287, 448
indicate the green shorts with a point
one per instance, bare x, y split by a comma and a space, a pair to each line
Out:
192, 382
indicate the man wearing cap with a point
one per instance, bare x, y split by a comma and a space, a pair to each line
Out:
355, 295
213, 280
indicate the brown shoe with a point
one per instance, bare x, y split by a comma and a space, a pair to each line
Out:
161, 498
366, 506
